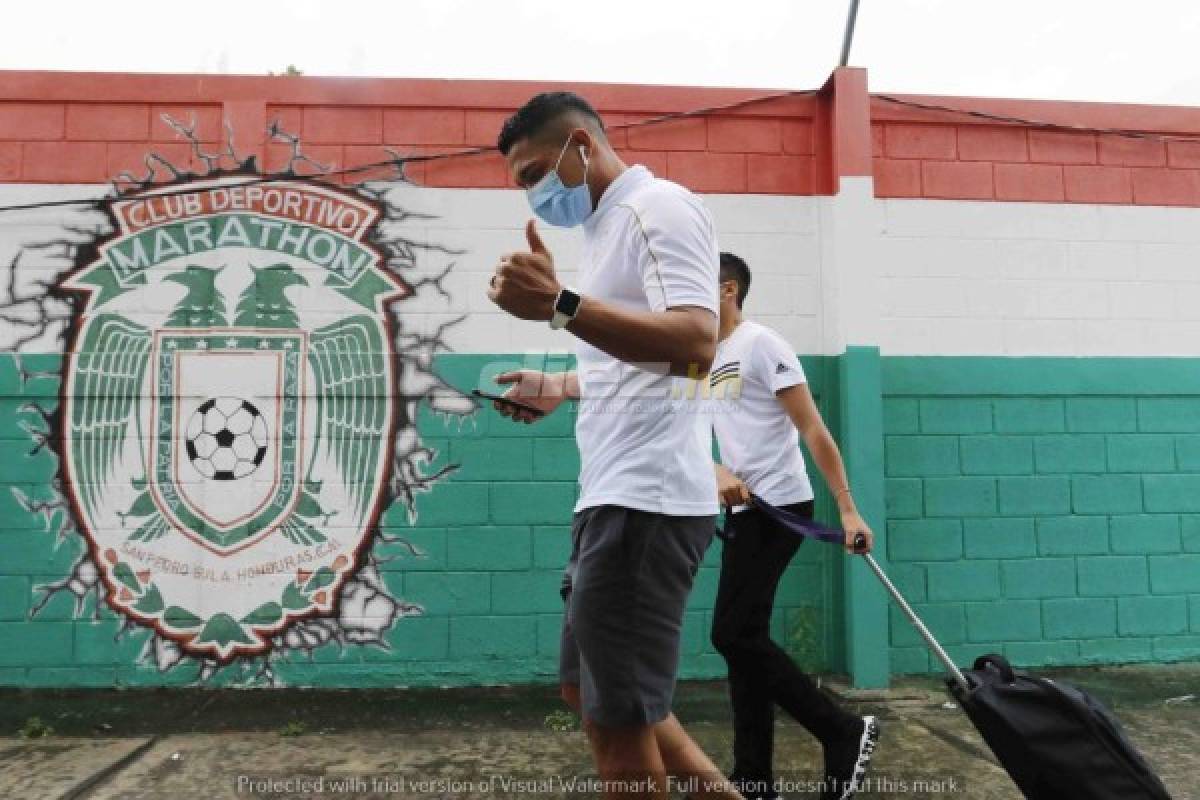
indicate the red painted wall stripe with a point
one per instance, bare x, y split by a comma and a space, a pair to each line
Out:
88, 128
938, 154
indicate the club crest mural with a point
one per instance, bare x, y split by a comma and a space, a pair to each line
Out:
237, 401
239, 447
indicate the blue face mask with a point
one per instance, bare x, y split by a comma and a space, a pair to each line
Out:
558, 204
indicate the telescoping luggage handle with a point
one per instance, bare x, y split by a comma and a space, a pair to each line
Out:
954, 671
811, 529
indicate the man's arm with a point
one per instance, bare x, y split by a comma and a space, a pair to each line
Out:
571, 385
683, 338
542, 390
798, 402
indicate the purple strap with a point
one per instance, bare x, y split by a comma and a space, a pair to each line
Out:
798, 525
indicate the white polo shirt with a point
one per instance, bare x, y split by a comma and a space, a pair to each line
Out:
758, 441
644, 437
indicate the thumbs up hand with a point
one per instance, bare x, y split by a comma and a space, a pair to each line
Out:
536, 245
524, 284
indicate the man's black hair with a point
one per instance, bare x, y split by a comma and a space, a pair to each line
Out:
735, 269
531, 118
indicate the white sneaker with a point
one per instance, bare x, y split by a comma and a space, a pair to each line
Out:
846, 761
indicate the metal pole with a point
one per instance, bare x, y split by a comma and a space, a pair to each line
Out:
849, 36
954, 671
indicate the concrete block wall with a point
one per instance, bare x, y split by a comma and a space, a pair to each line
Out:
496, 535
721, 153
1051, 520
779, 234
79, 128
1039, 279
483, 558
999, 321
933, 153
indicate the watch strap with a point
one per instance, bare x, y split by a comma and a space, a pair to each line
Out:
561, 318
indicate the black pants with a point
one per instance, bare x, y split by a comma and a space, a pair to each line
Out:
761, 673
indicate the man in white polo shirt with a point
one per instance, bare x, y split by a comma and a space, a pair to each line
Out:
644, 315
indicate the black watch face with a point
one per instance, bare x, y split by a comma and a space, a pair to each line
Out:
568, 303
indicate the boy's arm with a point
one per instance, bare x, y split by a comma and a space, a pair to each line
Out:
798, 402
731, 490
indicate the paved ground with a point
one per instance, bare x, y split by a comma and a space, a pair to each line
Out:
212, 745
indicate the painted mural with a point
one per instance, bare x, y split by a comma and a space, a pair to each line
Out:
237, 396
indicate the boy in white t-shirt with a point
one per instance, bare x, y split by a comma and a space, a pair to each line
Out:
761, 408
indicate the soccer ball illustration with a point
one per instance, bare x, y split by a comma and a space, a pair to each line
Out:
226, 438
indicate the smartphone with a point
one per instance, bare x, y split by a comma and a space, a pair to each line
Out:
508, 401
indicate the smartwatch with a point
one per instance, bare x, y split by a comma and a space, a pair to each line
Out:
566, 306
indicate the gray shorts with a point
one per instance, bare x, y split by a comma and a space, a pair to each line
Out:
625, 588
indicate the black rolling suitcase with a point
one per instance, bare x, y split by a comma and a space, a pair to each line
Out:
1055, 741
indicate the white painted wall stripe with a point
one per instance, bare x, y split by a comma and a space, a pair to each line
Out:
986, 278
915, 276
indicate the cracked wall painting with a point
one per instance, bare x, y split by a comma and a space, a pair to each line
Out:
236, 398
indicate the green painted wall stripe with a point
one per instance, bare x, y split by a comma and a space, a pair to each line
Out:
999, 375
493, 539
1041, 507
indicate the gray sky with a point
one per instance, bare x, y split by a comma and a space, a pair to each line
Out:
1143, 51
